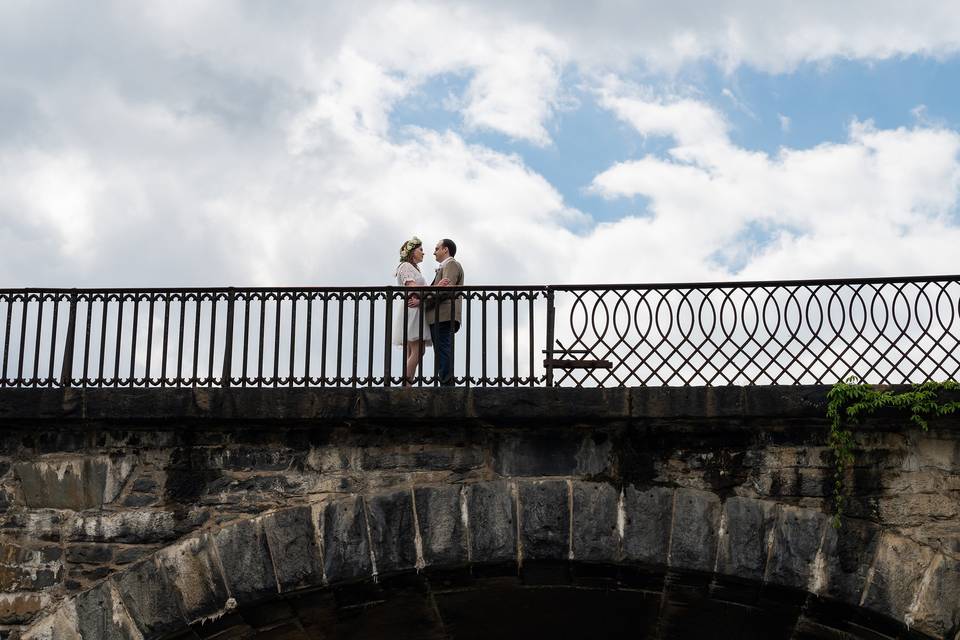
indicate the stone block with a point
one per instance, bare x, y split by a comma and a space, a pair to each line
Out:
491, 515
696, 524
544, 520
898, 569
346, 548
294, 548
798, 535
195, 575
137, 500
89, 553
42, 524
648, 515
419, 457
29, 569
61, 624
937, 612
150, 599
76, 483
595, 512
101, 615
556, 452
131, 554
745, 539
134, 527
554, 404
848, 553
442, 531
145, 485
20, 607
392, 534
245, 558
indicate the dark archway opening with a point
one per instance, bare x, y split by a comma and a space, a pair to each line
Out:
550, 600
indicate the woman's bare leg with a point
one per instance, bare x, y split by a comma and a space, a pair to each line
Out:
412, 360
415, 351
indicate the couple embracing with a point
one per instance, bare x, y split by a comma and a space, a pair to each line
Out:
440, 317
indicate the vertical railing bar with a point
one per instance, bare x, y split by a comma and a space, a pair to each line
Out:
180, 331
225, 380
406, 335
23, 336
306, 363
323, 343
388, 338
370, 345
499, 338
340, 306
6, 341
134, 340
211, 344
516, 339
260, 333
66, 367
86, 342
53, 339
356, 339
483, 339
530, 349
148, 378
166, 339
196, 338
116, 359
453, 338
246, 337
468, 303
37, 335
293, 331
276, 344
422, 329
103, 339
548, 365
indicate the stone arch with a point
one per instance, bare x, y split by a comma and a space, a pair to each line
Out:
358, 538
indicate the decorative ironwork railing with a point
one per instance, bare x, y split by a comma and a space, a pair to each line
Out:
881, 330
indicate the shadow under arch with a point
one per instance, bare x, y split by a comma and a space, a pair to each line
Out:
549, 599
505, 559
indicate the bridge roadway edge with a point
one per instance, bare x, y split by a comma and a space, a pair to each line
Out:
720, 409
250, 404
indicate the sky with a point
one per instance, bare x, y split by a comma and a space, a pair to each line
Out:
215, 143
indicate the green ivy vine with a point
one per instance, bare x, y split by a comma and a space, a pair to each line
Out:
849, 401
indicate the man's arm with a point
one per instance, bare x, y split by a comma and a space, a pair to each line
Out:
452, 272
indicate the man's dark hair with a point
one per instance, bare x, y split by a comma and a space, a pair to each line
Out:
450, 245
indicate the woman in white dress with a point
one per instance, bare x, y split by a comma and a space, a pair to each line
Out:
418, 334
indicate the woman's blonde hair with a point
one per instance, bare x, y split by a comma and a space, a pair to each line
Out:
407, 249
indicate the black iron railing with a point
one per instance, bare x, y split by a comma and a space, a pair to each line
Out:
881, 330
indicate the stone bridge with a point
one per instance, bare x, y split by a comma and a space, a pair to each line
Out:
468, 513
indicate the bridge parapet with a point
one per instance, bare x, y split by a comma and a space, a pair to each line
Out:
179, 506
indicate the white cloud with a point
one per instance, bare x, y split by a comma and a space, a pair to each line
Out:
784, 122
199, 143
866, 206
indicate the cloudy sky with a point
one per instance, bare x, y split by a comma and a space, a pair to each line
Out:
299, 143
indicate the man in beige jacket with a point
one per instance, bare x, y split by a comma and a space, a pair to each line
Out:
443, 312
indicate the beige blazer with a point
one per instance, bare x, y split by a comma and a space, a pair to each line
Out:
453, 272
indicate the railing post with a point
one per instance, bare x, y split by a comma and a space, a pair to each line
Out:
228, 341
551, 312
66, 367
388, 339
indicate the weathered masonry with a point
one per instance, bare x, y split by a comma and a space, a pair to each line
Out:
468, 513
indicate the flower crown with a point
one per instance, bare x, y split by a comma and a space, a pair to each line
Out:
409, 246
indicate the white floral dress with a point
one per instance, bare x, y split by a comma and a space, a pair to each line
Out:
405, 273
